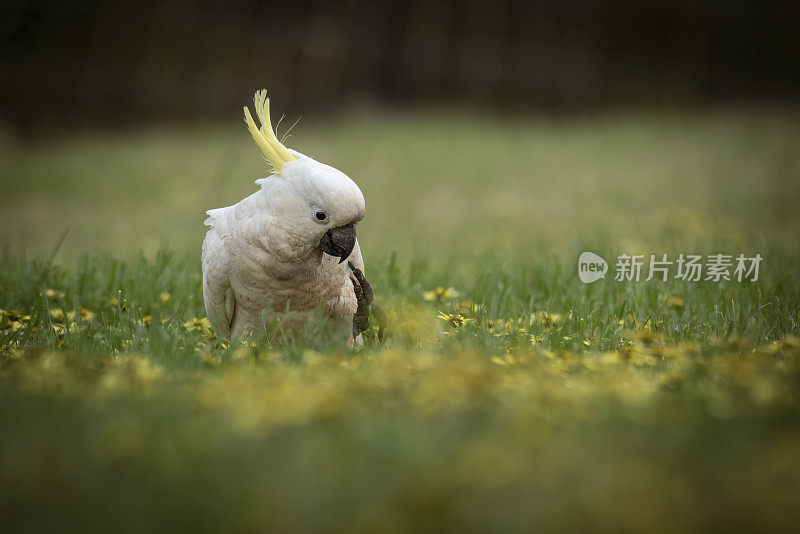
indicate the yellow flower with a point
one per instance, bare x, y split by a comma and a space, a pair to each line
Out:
198, 324
147, 320
57, 314
86, 315
439, 293
676, 302
545, 318
455, 319
14, 315
54, 294
164, 297
433, 294
58, 328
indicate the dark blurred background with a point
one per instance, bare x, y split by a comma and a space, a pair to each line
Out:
95, 62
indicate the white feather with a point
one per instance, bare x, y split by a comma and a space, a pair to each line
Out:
261, 259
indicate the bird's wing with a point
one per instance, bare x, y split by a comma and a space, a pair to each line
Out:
217, 292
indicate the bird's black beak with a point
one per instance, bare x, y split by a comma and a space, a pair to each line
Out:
339, 241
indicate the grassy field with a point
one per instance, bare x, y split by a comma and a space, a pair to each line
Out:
507, 395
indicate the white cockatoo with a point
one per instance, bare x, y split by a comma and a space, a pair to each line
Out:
288, 248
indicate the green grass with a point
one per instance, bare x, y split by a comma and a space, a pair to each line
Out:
524, 400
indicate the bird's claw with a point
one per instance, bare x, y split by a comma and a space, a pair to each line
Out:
363, 293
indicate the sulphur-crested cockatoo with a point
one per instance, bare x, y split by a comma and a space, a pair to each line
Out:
287, 249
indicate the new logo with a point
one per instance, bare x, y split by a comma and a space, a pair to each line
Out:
591, 267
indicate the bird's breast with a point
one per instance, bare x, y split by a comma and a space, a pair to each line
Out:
298, 288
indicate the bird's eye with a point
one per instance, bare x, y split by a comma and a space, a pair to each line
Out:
320, 215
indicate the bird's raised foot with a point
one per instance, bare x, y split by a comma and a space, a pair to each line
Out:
363, 293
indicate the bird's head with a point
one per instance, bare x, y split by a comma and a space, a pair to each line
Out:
316, 206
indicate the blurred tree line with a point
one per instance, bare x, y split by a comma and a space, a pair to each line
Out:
88, 60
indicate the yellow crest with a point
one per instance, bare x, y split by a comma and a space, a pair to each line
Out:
273, 150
